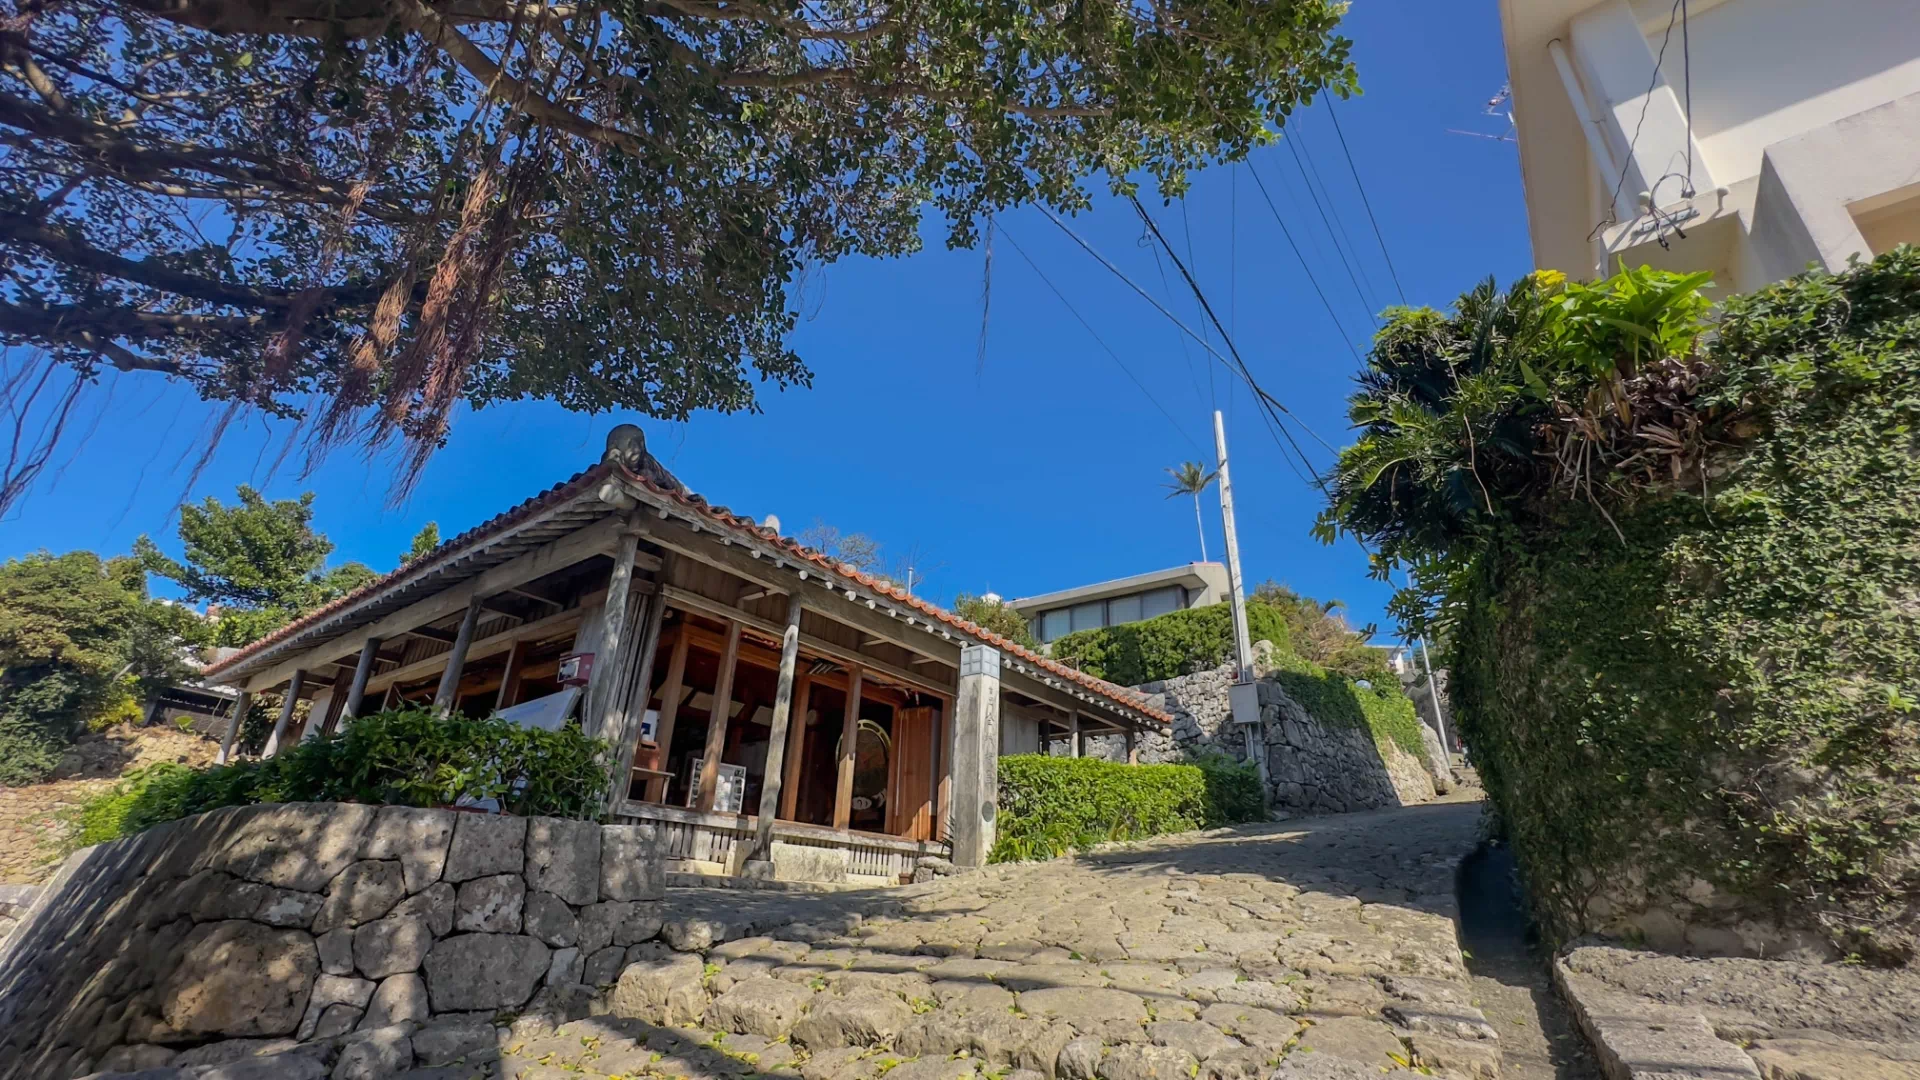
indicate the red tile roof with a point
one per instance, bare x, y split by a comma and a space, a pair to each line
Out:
719, 515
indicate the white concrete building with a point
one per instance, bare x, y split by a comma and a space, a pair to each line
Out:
1746, 137
1122, 600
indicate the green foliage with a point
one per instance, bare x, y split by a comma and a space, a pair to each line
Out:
1166, 646
424, 542
1707, 670
80, 644
407, 757
1052, 805
260, 562
607, 206
1316, 631
995, 616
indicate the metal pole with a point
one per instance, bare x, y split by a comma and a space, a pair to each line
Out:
1242, 648
1433, 691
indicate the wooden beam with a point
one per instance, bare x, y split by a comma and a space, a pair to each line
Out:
536, 597
796, 747
717, 720
633, 709
445, 637
481, 649
362, 671
612, 665
670, 694
287, 703
692, 601
849, 745
557, 554
775, 775
447, 697
513, 675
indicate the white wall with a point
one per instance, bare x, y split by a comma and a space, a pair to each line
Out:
1766, 70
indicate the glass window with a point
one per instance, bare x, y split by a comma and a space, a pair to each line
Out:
1123, 609
1161, 601
1090, 616
1053, 624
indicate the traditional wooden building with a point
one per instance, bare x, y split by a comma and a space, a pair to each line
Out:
771, 711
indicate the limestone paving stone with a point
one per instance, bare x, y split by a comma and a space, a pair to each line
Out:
1368, 1042
1474, 1058
485, 844
862, 1018
1199, 1039
666, 992
1137, 1061
1084, 1005
761, 1006
1260, 1028
843, 1063
415, 836
1309, 1066
490, 905
1453, 1021
361, 893
1238, 1063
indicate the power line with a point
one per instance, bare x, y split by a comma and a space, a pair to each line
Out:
1292, 147
1333, 210
1366, 202
1311, 279
1075, 312
1268, 402
1646, 100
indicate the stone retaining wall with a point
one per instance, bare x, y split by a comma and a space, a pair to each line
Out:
313, 920
1312, 767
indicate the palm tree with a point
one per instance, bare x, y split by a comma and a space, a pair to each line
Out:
1192, 478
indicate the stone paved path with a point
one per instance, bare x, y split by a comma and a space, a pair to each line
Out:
1319, 948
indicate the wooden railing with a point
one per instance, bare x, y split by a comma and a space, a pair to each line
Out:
693, 836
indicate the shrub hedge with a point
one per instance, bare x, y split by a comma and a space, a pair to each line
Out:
1052, 805
407, 757
1167, 646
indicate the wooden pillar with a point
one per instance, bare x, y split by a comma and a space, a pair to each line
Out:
943, 769
286, 713
448, 694
1075, 744
1133, 750
717, 720
362, 671
774, 781
796, 747
632, 704
239, 716
849, 743
669, 711
513, 675
608, 668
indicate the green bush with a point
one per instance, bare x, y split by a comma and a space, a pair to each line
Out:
1679, 586
1051, 805
1383, 711
1167, 646
409, 757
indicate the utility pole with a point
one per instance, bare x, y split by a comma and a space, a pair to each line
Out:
1243, 697
1433, 691
1242, 648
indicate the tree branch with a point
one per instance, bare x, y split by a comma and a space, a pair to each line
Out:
515, 92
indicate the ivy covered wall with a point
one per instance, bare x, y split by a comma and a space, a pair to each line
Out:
1681, 581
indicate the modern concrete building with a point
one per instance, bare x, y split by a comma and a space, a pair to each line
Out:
1745, 137
1054, 615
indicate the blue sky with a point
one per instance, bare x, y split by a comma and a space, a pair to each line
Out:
1036, 469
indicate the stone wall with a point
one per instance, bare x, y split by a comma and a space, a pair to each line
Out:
1312, 767
314, 921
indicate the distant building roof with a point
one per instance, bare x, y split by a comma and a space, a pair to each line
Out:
1198, 575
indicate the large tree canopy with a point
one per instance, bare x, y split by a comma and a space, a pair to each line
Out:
395, 204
